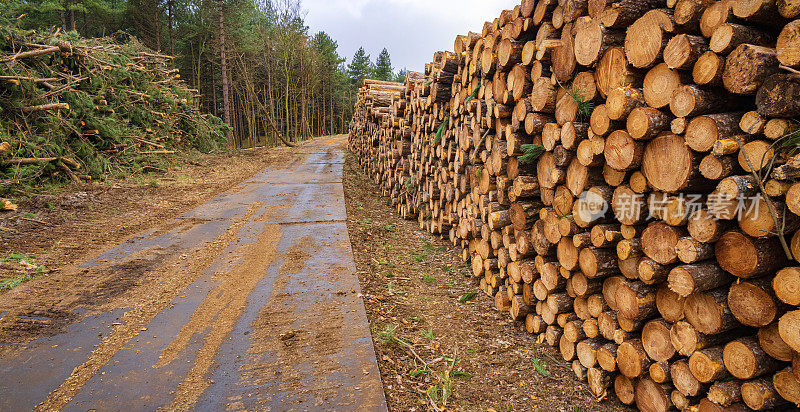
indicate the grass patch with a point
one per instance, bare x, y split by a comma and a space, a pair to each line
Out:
428, 334
394, 289
29, 269
468, 297
540, 366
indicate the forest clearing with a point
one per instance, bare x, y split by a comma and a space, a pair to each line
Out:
584, 205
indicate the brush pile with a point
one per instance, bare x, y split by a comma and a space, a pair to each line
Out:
74, 108
623, 177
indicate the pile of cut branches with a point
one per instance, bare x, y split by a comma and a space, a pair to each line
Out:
79, 109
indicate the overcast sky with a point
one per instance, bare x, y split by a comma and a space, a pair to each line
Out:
412, 30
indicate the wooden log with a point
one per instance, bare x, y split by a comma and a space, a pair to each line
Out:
770, 340
786, 285
655, 339
684, 380
659, 372
746, 257
670, 166
787, 385
760, 394
703, 131
745, 359
692, 100
636, 300
753, 303
587, 351
687, 279
708, 69
623, 152
707, 365
779, 96
652, 396
592, 39
613, 71
621, 100
659, 242
747, 67
683, 50
607, 356
669, 304
660, 83
646, 38
709, 313
645, 123
625, 389
789, 329
725, 393
599, 381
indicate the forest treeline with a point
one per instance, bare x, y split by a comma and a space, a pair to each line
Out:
255, 63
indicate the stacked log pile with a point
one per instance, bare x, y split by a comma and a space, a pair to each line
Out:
622, 177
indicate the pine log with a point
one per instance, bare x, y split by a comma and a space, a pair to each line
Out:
745, 359
652, 396
747, 67
655, 339
746, 257
709, 313
753, 303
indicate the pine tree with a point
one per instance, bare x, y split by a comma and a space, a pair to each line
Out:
360, 67
383, 66
401, 75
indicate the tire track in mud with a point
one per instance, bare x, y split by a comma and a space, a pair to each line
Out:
135, 320
220, 311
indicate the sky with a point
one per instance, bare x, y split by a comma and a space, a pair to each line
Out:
411, 30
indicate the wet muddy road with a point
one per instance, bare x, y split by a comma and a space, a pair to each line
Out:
249, 302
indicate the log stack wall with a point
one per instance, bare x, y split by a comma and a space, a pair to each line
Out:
622, 178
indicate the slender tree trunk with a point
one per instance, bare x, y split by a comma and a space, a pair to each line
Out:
224, 63
214, 96
286, 94
71, 17
157, 21
171, 34
194, 72
332, 119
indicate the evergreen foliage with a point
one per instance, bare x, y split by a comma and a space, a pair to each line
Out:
360, 67
383, 67
124, 103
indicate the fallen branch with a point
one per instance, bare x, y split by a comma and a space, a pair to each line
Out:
159, 152
67, 171
37, 160
48, 106
148, 142
29, 79
61, 47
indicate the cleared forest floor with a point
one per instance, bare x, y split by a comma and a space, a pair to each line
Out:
417, 285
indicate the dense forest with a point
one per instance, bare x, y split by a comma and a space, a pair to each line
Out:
254, 63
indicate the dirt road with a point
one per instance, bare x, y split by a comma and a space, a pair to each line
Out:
250, 301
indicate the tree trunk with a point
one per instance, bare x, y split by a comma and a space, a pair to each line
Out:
226, 104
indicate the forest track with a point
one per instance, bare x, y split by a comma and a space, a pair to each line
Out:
249, 301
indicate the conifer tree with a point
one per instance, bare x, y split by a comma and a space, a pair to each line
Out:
360, 67
383, 67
